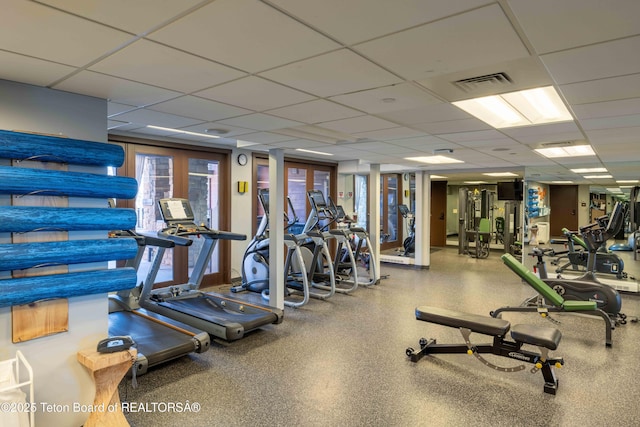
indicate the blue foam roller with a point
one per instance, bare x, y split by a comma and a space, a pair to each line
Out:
27, 290
27, 255
26, 146
22, 219
43, 182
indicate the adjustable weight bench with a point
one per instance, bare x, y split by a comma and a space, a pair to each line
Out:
544, 338
551, 300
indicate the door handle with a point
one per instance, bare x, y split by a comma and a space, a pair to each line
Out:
573, 211
441, 216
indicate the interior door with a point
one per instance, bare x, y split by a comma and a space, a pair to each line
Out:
438, 222
563, 201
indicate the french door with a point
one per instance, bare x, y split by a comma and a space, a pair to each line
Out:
300, 177
197, 176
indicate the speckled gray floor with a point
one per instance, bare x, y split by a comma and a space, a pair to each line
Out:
342, 362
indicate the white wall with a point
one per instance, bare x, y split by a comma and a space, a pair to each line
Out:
241, 213
58, 377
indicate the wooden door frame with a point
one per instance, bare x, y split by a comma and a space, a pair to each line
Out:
181, 155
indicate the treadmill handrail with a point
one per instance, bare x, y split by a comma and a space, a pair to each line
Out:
178, 240
194, 230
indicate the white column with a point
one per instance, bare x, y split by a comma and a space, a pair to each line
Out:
423, 220
374, 211
276, 228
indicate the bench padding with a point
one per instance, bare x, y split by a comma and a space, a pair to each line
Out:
456, 319
537, 335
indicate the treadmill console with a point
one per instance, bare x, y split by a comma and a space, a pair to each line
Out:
176, 210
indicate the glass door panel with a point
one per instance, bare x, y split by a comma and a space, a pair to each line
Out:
204, 196
297, 192
390, 191
154, 174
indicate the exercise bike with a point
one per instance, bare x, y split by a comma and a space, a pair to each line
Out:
606, 262
586, 287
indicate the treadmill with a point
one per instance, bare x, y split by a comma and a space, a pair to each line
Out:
158, 339
219, 315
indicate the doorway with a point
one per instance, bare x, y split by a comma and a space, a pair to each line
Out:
563, 200
438, 221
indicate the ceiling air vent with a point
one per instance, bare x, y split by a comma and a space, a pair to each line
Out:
485, 82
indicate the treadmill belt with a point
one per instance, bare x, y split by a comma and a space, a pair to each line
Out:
156, 342
208, 309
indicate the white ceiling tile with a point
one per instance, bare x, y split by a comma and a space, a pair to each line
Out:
593, 62
360, 20
480, 37
358, 124
300, 143
199, 108
115, 108
628, 135
226, 131
156, 118
140, 16
43, 32
149, 62
112, 124
472, 136
553, 25
315, 111
537, 130
265, 137
607, 109
245, 34
259, 121
114, 89
632, 120
602, 90
332, 74
255, 94
23, 69
452, 126
492, 144
390, 134
433, 113
403, 96
428, 143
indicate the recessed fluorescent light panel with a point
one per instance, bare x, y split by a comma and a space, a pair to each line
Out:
627, 181
505, 174
562, 182
475, 182
434, 160
183, 131
314, 152
589, 170
569, 151
437, 177
597, 176
523, 108
614, 190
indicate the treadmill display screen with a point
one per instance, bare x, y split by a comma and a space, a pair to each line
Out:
176, 210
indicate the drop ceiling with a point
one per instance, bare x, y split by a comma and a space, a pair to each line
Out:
371, 80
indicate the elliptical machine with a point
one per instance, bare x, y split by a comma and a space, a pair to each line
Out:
409, 243
256, 264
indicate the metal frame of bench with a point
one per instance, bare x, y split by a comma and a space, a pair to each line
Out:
544, 338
